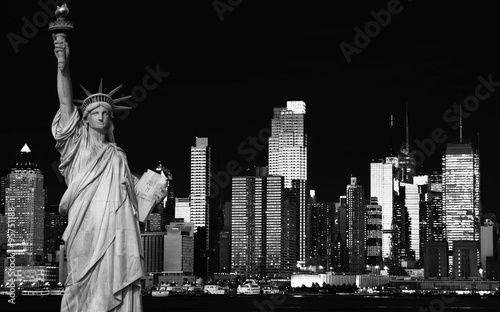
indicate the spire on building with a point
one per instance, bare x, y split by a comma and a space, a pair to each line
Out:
461, 131
25, 149
24, 161
391, 152
405, 147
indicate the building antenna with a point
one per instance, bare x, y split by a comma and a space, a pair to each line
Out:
390, 135
460, 122
478, 141
407, 131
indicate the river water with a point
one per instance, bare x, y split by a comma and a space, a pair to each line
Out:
281, 303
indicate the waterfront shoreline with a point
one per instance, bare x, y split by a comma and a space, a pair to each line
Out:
289, 302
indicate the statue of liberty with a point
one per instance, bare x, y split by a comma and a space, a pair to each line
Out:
102, 239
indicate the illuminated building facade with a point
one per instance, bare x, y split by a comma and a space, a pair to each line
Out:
322, 235
288, 158
199, 201
25, 208
356, 243
182, 209
281, 229
461, 195
200, 183
55, 224
412, 203
465, 254
489, 238
437, 224
341, 254
373, 233
382, 187
288, 143
247, 226
263, 228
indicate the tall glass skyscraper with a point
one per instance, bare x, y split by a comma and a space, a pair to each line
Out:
25, 209
356, 224
263, 240
382, 187
288, 158
412, 204
200, 183
461, 193
374, 233
288, 143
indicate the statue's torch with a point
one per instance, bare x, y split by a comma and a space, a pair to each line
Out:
60, 28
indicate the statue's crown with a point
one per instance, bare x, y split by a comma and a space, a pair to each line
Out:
102, 98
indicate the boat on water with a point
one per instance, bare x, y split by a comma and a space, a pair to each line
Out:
268, 290
215, 289
193, 289
160, 291
249, 287
56, 292
175, 289
36, 293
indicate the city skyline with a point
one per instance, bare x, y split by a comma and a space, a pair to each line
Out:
221, 78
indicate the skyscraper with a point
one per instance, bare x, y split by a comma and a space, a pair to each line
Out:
247, 226
263, 239
412, 204
461, 193
382, 187
25, 208
182, 209
55, 224
437, 215
431, 209
341, 254
200, 182
199, 201
322, 235
374, 233
356, 243
288, 158
288, 143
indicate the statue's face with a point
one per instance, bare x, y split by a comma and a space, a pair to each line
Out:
98, 119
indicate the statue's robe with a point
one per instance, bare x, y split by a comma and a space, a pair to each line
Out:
102, 240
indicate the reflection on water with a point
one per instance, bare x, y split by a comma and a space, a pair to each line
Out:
282, 303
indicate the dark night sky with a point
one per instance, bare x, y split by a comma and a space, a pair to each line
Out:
225, 76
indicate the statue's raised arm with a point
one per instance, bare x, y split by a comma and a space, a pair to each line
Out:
60, 28
64, 88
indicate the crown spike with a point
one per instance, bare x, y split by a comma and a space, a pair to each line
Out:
100, 97
114, 90
121, 99
86, 91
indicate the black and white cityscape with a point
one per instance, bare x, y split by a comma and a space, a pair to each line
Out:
307, 145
